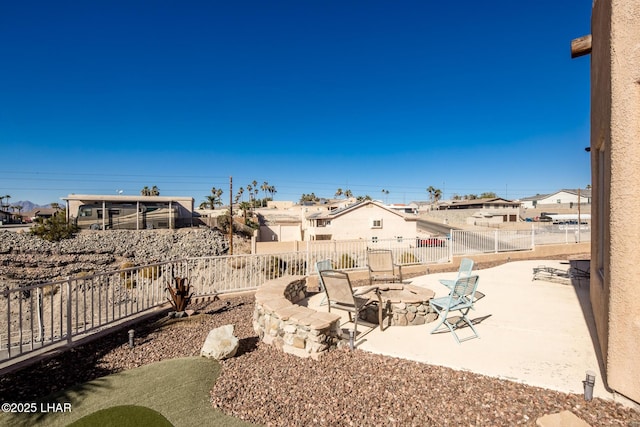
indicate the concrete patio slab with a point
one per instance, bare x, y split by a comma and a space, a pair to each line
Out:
538, 332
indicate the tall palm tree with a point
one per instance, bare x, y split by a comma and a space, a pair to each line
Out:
272, 191
250, 191
265, 187
145, 191
437, 195
348, 193
155, 191
339, 192
386, 195
5, 205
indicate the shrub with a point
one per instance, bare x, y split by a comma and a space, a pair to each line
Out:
55, 228
346, 262
129, 281
275, 267
408, 258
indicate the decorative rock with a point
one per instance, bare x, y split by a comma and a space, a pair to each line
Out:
561, 419
220, 343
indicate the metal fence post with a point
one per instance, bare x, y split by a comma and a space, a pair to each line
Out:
495, 241
69, 334
450, 245
533, 237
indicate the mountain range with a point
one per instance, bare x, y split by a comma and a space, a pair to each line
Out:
28, 206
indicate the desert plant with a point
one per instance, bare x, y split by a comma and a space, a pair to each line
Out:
151, 272
408, 258
275, 267
346, 261
180, 296
50, 290
129, 281
55, 228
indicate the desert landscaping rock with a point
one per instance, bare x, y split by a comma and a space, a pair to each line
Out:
27, 259
265, 386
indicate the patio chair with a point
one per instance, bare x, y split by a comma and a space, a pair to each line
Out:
382, 268
340, 295
466, 265
459, 299
325, 264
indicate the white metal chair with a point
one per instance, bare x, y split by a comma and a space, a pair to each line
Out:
460, 299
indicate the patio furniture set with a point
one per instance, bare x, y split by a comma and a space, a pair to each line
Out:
397, 300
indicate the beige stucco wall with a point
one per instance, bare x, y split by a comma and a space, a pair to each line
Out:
615, 158
356, 224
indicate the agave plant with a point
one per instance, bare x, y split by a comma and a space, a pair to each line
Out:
180, 296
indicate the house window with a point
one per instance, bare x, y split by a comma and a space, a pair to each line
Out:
376, 223
559, 201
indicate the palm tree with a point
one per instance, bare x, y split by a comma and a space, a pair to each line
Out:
155, 191
386, 194
437, 195
272, 191
348, 193
240, 193
145, 191
250, 191
5, 205
338, 192
55, 206
264, 187
212, 200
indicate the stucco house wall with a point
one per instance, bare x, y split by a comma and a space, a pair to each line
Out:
358, 223
563, 197
615, 167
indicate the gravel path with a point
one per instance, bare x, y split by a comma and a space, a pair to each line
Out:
265, 386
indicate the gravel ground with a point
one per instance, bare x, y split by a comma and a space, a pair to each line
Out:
265, 386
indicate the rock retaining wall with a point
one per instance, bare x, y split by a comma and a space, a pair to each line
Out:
295, 329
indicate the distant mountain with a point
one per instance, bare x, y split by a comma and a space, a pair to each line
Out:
28, 206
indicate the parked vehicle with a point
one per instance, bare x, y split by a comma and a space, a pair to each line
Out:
430, 242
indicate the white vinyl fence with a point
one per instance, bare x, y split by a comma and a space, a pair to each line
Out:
54, 314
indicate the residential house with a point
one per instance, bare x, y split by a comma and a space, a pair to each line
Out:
479, 211
614, 45
563, 199
362, 220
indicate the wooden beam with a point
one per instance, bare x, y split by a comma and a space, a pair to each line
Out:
581, 46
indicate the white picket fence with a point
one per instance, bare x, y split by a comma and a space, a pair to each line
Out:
53, 314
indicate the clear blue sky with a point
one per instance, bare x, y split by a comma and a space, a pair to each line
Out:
309, 96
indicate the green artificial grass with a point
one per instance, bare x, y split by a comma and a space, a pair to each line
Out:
123, 416
176, 388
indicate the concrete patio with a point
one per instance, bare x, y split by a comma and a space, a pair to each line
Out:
539, 333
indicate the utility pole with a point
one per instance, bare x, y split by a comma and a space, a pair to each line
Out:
230, 215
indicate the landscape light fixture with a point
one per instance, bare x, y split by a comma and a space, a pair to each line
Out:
589, 382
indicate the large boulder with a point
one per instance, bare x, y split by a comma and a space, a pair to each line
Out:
220, 343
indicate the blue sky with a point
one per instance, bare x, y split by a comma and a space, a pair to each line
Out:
309, 96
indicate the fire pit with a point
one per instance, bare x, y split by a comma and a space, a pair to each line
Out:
404, 305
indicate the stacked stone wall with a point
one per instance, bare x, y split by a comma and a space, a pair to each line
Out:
294, 329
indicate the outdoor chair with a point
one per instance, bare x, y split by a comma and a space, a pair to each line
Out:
340, 295
460, 299
323, 265
466, 265
382, 268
